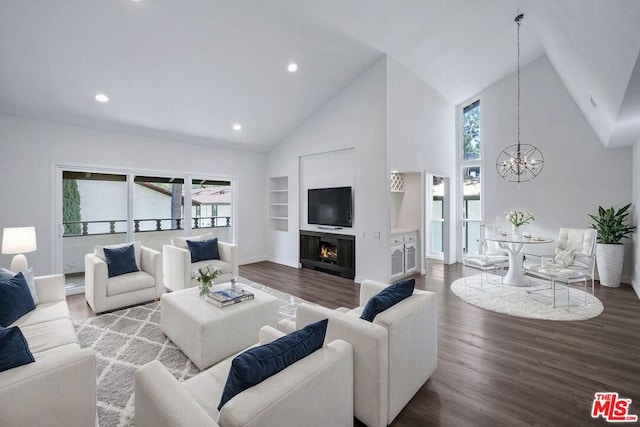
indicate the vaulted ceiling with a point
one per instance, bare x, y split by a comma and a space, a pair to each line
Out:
190, 69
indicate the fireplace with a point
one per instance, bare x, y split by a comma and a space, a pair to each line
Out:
328, 252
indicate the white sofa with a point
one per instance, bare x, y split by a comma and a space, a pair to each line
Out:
59, 388
179, 270
393, 356
104, 293
315, 391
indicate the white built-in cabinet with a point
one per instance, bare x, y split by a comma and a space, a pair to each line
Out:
404, 254
279, 203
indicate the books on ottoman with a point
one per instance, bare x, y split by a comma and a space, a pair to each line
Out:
226, 297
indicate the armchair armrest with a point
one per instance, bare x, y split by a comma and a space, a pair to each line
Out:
50, 288
370, 357
151, 262
229, 253
95, 281
325, 378
58, 389
268, 334
369, 288
161, 401
176, 267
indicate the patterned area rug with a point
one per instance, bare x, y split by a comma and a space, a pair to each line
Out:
126, 339
516, 301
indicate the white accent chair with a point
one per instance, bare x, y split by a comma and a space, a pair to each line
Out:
393, 356
104, 293
179, 272
582, 241
491, 257
315, 391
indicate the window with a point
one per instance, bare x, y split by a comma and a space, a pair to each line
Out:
470, 166
471, 131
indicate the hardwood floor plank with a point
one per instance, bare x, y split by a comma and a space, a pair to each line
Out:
493, 369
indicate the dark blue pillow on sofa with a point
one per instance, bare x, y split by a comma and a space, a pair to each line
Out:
259, 363
15, 299
14, 349
387, 298
203, 250
120, 260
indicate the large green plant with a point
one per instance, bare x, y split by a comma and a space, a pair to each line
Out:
612, 225
71, 206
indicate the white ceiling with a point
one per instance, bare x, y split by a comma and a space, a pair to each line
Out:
188, 69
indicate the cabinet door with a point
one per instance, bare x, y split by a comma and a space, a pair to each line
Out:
410, 258
397, 262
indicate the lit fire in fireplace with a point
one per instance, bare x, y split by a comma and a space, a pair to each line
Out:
328, 251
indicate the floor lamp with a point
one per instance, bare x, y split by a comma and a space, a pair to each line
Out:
19, 240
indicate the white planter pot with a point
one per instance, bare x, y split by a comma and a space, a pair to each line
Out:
609, 260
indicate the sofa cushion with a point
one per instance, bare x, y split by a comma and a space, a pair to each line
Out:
45, 336
129, 282
203, 250
120, 260
28, 275
15, 299
224, 267
259, 363
14, 349
137, 249
44, 313
387, 298
181, 242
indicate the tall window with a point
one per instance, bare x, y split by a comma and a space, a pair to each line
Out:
470, 166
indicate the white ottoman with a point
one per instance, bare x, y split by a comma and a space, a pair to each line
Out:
207, 334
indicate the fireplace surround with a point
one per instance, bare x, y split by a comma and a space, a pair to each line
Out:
328, 252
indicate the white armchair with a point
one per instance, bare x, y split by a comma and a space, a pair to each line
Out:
393, 356
324, 377
104, 293
178, 268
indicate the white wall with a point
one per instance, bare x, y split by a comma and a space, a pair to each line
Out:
421, 134
636, 218
29, 148
355, 118
579, 173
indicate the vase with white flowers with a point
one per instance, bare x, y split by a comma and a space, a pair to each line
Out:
206, 275
518, 219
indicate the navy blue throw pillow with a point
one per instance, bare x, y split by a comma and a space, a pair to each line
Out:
259, 363
15, 299
202, 250
120, 260
387, 298
14, 350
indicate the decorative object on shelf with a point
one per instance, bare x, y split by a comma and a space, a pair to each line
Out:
519, 162
611, 226
19, 240
205, 277
397, 182
518, 219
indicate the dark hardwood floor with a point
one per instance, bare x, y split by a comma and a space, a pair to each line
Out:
493, 369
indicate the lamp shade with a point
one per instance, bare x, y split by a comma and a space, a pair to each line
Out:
18, 240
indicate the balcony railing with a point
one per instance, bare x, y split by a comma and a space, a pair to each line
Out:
92, 228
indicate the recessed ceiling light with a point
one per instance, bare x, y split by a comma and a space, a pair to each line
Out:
293, 67
237, 127
101, 97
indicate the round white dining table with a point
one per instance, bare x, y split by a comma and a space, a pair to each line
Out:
515, 247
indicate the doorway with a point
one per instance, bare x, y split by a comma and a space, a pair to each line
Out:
437, 217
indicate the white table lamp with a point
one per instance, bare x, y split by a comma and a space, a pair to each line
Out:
19, 240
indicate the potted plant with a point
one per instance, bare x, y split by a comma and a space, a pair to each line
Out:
611, 226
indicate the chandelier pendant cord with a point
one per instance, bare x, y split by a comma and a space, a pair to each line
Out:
518, 19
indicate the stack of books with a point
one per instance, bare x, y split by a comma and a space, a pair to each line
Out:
226, 297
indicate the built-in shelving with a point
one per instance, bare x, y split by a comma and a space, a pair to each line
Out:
279, 203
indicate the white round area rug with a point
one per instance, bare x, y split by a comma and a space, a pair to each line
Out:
516, 301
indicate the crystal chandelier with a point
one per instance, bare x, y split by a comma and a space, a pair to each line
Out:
519, 162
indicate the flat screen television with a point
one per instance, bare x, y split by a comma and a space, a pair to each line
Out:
330, 206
